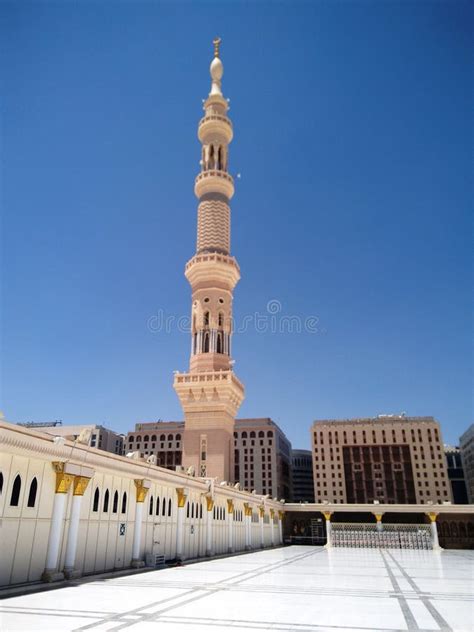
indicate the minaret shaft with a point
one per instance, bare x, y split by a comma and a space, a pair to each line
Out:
210, 393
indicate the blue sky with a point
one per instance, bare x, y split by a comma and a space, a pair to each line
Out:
353, 139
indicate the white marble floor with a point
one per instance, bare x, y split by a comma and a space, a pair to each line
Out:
295, 588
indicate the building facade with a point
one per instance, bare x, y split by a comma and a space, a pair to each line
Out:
302, 476
262, 457
466, 445
456, 474
262, 452
210, 393
68, 509
391, 459
94, 435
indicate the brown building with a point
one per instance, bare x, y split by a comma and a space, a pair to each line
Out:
389, 459
262, 452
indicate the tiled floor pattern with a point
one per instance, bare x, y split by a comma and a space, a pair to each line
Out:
295, 588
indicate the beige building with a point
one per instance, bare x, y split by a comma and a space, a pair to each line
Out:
96, 436
210, 393
262, 452
388, 459
68, 509
466, 445
262, 457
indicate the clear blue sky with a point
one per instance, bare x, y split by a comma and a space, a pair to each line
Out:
353, 137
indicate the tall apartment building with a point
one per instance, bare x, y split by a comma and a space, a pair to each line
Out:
456, 474
302, 476
262, 457
466, 445
164, 439
94, 435
261, 450
390, 459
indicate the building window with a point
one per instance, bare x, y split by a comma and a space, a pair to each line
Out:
15, 497
32, 493
105, 508
124, 502
115, 503
95, 505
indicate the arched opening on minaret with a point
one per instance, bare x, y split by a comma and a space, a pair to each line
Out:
206, 342
219, 342
219, 159
221, 319
206, 319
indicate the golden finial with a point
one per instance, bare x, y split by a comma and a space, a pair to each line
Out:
216, 43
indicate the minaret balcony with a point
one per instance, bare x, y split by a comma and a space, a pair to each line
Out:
215, 125
214, 181
212, 268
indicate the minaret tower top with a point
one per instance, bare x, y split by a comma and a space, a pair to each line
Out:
210, 393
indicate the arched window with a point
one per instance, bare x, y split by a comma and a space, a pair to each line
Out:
170, 437
163, 507
32, 493
221, 319
105, 507
15, 497
124, 502
146, 438
139, 438
261, 434
178, 437
200, 512
162, 438
214, 513
157, 509
150, 510
153, 437
206, 319
206, 342
244, 435
115, 503
270, 433
252, 435
219, 343
1, 482
169, 507
95, 504
187, 510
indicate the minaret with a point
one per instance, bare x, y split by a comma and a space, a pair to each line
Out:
210, 393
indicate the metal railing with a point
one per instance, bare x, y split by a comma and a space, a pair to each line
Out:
385, 536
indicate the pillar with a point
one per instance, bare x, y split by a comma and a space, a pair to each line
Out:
182, 495
272, 516
248, 526
327, 515
62, 484
142, 486
79, 486
379, 526
434, 531
261, 511
209, 523
230, 525
280, 525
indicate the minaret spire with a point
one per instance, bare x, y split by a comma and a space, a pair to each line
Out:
210, 393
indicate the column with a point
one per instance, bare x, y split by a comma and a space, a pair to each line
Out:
182, 494
209, 523
230, 522
378, 517
327, 515
434, 531
142, 486
79, 486
280, 525
63, 482
248, 526
261, 511
272, 516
